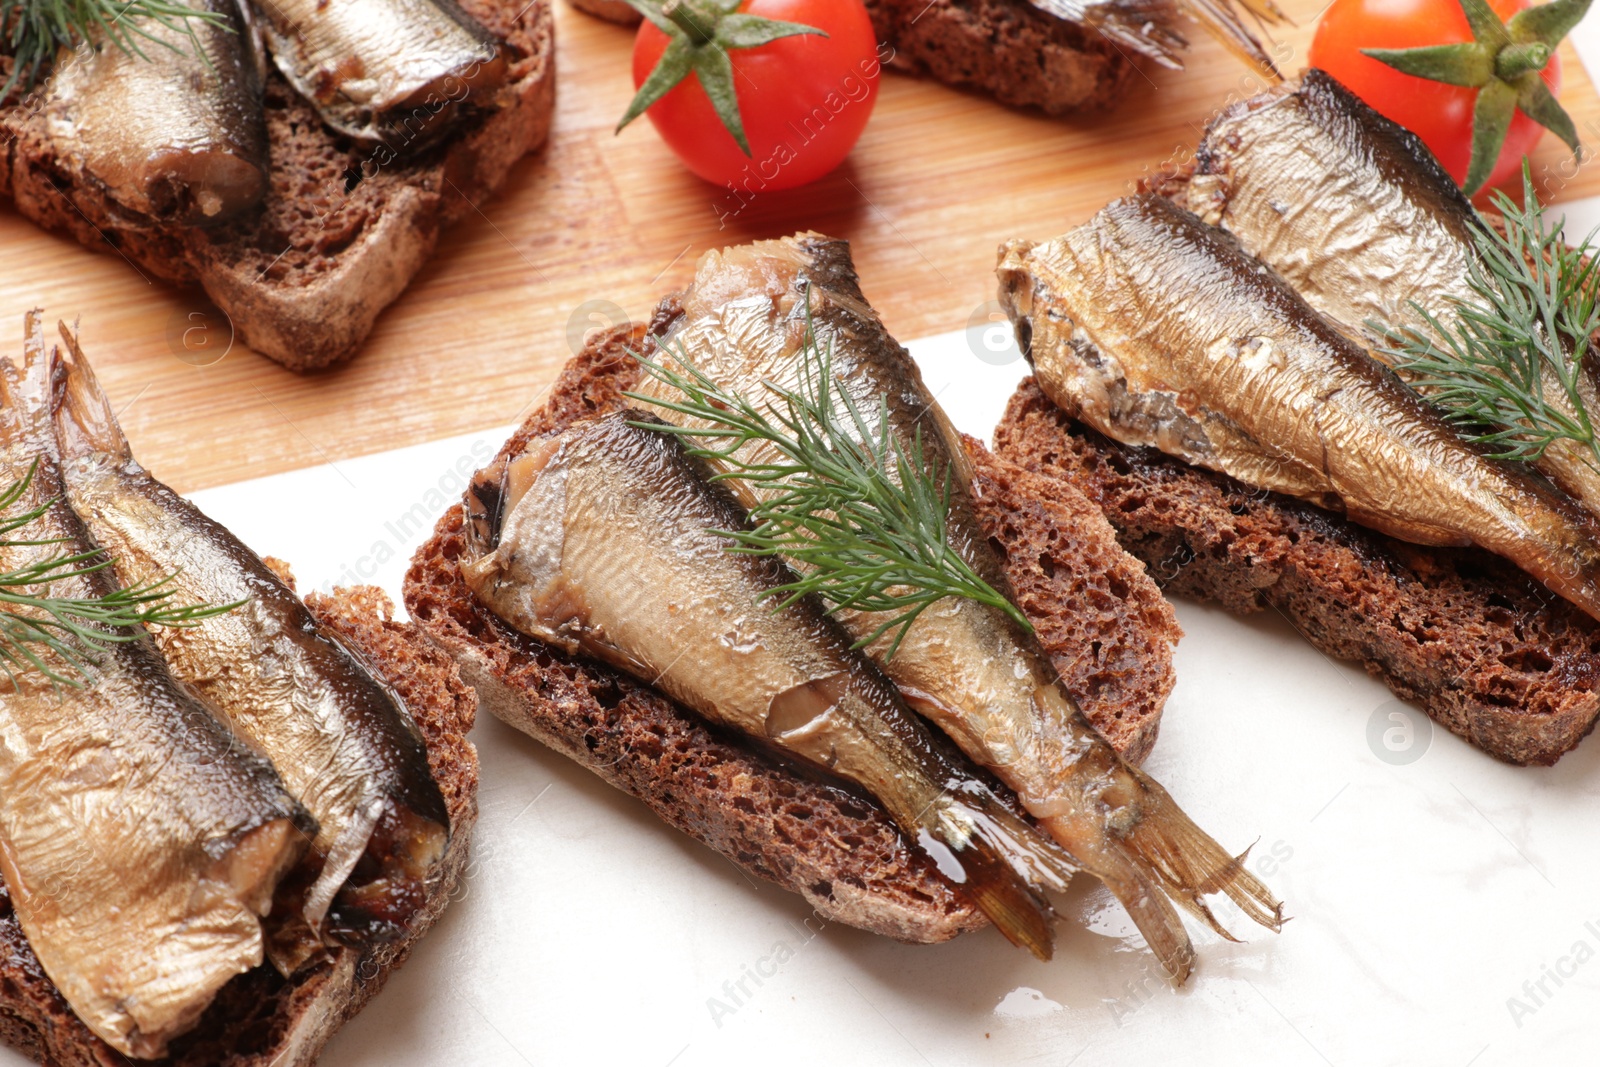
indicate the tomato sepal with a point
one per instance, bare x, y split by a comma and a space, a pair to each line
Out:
1539, 104
701, 36
1492, 113
1504, 61
1547, 23
1470, 65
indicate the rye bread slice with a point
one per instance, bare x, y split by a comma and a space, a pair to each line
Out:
259, 1018
344, 228
1007, 48
1099, 615
1488, 652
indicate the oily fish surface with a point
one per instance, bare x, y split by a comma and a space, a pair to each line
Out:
1157, 330
139, 841
1355, 214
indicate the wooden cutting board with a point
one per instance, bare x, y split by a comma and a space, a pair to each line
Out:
598, 226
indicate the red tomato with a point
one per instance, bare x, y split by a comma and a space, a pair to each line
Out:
1439, 114
804, 100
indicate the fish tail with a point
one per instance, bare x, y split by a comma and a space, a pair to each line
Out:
85, 421
1151, 855
1221, 19
1191, 866
1007, 863
25, 389
1139, 25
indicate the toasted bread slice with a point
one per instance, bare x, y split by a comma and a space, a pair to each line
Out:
343, 228
1488, 652
1099, 615
1007, 48
259, 1018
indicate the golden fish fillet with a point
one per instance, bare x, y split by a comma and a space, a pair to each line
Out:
343, 741
603, 542
138, 839
393, 71
1356, 214
176, 134
967, 666
1155, 329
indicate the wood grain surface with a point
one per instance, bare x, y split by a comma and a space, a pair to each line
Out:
599, 226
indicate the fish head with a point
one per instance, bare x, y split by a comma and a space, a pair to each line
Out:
516, 511
496, 490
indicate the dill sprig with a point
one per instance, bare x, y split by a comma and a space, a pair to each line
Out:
63, 637
34, 30
860, 512
1508, 370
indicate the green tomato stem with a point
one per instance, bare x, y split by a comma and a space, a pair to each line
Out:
1516, 60
684, 16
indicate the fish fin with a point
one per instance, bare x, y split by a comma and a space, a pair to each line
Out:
1139, 25
25, 389
1008, 862
1164, 858
85, 420
1221, 19
1017, 909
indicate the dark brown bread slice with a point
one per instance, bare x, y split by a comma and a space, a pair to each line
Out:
344, 228
1488, 652
1007, 48
260, 1019
1101, 617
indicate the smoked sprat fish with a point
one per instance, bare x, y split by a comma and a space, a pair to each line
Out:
382, 70
604, 542
1156, 329
1358, 217
176, 134
342, 740
139, 840
753, 315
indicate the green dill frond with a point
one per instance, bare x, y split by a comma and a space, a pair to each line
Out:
62, 638
860, 513
35, 30
1507, 371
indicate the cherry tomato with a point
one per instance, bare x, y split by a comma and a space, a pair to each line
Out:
804, 100
1439, 114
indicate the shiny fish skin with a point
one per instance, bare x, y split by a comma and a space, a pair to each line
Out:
1143, 26
139, 841
983, 680
175, 136
602, 542
391, 71
1156, 329
1355, 213
343, 741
